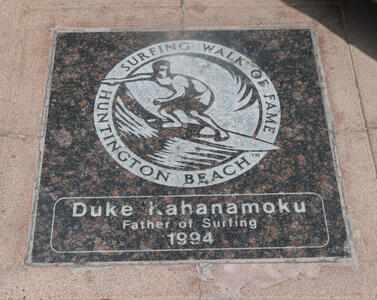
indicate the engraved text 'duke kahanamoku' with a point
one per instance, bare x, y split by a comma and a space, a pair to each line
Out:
187, 113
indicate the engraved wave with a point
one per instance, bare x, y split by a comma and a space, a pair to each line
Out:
182, 154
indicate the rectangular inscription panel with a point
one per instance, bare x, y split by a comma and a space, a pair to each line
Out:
187, 146
181, 223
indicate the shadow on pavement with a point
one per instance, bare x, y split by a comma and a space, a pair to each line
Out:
360, 18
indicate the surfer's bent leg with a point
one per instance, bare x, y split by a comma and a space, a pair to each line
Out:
166, 113
204, 119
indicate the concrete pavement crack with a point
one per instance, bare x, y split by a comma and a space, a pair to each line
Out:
182, 13
348, 40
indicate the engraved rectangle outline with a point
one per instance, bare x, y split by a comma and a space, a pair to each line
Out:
205, 249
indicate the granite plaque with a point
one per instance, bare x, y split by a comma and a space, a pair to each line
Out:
187, 146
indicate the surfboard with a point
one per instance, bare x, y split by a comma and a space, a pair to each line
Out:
241, 142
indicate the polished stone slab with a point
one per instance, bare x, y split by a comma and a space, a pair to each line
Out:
192, 145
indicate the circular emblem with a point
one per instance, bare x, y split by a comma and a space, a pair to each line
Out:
187, 113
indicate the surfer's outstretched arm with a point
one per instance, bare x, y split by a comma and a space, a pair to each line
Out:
132, 78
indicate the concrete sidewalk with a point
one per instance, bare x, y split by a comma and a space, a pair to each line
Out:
347, 35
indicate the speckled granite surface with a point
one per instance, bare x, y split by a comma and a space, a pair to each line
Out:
77, 166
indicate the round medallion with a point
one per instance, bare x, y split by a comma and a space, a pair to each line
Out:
187, 113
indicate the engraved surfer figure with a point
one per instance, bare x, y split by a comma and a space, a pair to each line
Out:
190, 96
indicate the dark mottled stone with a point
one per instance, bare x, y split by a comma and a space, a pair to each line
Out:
75, 163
